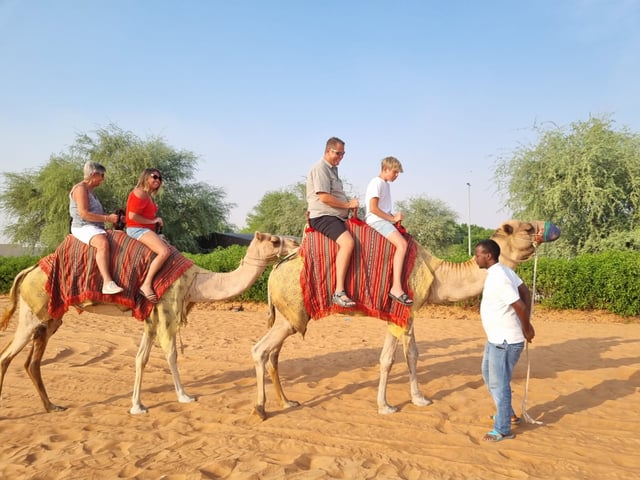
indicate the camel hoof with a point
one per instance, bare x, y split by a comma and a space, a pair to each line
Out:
291, 404
387, 410
421, 401
55, 408
259, 412
138, 410
187, 399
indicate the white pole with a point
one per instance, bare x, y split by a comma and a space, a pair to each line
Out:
469, 217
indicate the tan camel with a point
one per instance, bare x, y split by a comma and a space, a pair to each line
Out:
195, 285
432, 280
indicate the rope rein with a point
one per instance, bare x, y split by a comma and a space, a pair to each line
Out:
525, 415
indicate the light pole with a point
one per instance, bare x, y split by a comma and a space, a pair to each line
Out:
469, 217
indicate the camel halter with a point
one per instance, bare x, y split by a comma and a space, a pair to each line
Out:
262, 262
525, 415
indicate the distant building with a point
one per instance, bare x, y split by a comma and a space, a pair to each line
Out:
208, 243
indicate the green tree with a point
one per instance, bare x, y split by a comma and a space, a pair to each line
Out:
283, 212
586, 179
430, 221
37, 202
459, 250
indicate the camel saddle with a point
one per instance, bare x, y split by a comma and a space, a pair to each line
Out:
369, 277
73, 278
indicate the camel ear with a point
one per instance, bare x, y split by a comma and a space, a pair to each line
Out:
258, 235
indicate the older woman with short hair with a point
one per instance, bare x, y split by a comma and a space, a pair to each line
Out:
87, 221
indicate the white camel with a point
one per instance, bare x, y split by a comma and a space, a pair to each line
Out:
195, 285
432, 280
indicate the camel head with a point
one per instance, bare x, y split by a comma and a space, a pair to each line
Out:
268, 248
519, 240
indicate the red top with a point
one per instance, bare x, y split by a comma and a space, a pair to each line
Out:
145, 207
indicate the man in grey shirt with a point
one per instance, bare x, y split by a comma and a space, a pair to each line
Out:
329, 209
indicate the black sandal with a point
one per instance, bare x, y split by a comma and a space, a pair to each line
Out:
402, 299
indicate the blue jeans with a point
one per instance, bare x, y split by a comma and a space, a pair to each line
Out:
498, 362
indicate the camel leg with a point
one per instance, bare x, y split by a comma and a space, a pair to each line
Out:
30, 328
142, 357
411, 357
267, 349
24, 332
386, 362
272, 368
41, 336
172, 359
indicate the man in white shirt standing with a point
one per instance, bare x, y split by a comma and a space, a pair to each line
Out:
505, 310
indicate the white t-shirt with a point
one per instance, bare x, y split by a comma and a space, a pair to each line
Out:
499, 318
381, 190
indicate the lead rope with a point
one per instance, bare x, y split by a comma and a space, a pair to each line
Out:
525, 415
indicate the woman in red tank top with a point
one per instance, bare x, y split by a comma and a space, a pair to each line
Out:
142, 220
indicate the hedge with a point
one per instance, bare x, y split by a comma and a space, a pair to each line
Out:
604, 281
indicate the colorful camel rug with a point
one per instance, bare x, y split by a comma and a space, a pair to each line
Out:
73, 277
369, 277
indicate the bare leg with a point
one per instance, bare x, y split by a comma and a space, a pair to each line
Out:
161, 249
400, 243
262, 352
101, 245
343, 258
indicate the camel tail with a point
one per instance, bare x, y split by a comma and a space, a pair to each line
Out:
13, 296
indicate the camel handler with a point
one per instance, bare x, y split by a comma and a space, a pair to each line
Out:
328, 210
505, 311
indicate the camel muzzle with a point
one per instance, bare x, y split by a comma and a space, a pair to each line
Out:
550, 233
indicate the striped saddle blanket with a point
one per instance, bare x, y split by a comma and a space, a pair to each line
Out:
73, 277
369, 277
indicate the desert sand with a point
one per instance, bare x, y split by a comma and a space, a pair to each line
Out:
584, 388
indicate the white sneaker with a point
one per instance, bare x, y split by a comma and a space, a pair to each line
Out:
111, 288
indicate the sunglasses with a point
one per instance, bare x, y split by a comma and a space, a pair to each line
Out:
156, 177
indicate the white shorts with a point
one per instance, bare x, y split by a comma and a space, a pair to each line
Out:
87, 232
383, 227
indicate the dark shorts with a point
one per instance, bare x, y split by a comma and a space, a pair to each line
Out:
329, 225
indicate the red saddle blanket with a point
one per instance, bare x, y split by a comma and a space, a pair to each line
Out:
73, 277
369, 277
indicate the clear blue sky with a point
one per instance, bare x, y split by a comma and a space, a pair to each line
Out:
254, 88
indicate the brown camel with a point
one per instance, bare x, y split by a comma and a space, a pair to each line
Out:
195, 285
432, 280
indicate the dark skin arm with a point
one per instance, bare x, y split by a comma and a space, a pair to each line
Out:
523, 310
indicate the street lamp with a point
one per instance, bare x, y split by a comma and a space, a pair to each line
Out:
469, 217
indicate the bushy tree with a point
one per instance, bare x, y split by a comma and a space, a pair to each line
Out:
282, 212
586, 179
37, 202
430, 221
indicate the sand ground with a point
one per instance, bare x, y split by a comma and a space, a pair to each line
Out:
584, 387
